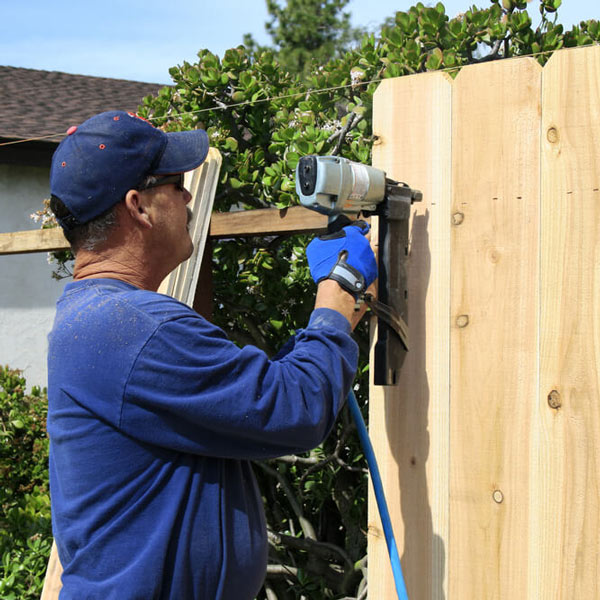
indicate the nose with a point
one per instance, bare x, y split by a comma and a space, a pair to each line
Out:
186, 196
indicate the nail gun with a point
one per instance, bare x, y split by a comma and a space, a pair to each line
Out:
340, 188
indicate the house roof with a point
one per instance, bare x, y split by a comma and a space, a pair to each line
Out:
37, 103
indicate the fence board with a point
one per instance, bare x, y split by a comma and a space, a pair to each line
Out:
34, 240
566, 476
409, 422
266, 221
496, 122
261, 222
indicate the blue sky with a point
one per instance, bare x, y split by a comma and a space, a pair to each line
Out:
141, 39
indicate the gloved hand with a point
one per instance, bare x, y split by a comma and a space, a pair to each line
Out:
345, 256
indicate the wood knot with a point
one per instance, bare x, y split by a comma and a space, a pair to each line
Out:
554, 399
462, 321
552, 135
458, 218
494, 256
374, 531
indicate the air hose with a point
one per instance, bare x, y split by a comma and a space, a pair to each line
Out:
379, 496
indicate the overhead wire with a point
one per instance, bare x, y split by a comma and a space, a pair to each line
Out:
34, 139
222, 107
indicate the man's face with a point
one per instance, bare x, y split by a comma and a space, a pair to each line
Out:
171, 218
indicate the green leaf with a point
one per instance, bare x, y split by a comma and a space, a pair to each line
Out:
231, 144
292, 159
435, 60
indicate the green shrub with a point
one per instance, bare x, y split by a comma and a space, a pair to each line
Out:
25, 525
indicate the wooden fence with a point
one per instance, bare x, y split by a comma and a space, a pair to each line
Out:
490, 445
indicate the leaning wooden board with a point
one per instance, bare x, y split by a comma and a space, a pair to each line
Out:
181, 284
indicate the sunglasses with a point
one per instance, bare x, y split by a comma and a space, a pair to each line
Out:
176, 179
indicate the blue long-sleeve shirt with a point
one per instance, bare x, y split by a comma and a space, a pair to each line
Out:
153, 418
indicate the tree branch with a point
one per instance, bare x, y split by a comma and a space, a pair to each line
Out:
306, 525
270, 592
292, 459
496, 48
232, 120
281, 571
255, 337
334, 457
325, 550
341, 134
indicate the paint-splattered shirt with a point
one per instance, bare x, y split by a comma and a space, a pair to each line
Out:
153, 418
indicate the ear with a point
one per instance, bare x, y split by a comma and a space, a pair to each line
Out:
136, 206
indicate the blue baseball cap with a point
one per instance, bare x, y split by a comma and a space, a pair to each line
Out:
99, 161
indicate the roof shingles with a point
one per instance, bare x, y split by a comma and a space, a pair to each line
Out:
36, 104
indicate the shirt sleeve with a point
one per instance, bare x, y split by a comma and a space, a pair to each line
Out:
193, 390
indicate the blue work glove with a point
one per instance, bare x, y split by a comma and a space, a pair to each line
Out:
345, 256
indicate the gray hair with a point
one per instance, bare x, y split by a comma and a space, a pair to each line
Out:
86, 236
148, 181
94, 233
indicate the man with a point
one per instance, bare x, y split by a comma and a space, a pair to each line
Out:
153, 413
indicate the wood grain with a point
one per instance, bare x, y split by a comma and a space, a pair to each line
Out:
35, 240
494, 324
266, 221
565, 498
409, 422
52, 581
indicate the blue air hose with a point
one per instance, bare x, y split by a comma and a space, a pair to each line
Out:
379, 496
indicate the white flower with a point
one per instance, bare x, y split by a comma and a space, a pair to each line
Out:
332, 126
356, 76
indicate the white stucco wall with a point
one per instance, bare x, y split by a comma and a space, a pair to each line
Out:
28, 293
